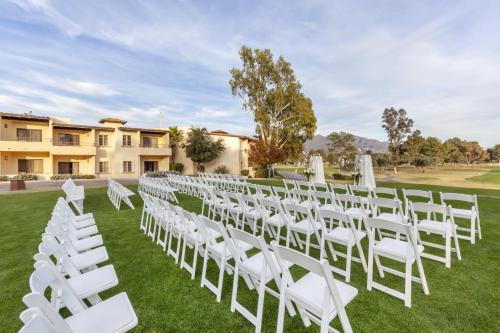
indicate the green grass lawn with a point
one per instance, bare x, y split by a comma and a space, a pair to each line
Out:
492, 177
464, 298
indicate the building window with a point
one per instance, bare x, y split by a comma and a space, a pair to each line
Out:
103, 167
30, 166
29, 135
68, 168
127, 166
69, 139
149, 142
127, 141
103, 140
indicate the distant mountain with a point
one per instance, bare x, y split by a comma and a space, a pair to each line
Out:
321, 142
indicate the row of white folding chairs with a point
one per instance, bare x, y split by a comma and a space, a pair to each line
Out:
74, 194
212, 240
118, 193
186, 184
74, 280
302, 218
158, 187
470, 212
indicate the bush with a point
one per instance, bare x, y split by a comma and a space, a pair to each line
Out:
245, 172
179, 167
339, 176
161, 174
221, 169
63, 177
261, 173
4, 178
83, 176
26, 176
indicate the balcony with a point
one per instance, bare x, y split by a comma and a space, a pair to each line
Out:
73, 147
25, 144
154, 149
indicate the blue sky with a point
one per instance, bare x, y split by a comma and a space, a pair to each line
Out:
440, 60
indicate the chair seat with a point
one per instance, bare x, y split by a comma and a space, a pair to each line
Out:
344, 235
112, 315
90, 258
310, 289
396, 249
438, 227
390, 217
94, 282
355, 212
330, 207
254, 264
78, 224
463, 213
219, 249
87, 243
275, 220
305, 226
85, 232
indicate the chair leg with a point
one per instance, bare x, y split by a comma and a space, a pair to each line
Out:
448, 250
408, 274
235, 287
260, 306
348, 261
473, 230
369, 279
422, 276
221, 279
281, 308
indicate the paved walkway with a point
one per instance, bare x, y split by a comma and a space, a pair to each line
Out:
54, 185
291, 175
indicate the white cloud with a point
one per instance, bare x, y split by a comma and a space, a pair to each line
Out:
79, 87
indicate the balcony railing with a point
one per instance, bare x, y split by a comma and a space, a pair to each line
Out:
25, 139
152, 145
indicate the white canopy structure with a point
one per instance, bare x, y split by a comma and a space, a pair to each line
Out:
365, 168
316, 164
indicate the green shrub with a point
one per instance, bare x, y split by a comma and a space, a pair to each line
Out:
26, 176
4, 178
245, 172
179, 167
62, 177
83, 176
339, 176
261, 173
221, 169
161, 174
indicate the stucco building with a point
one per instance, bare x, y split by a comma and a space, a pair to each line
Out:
47, 146
234, 157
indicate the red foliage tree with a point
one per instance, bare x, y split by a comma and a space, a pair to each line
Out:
264, 154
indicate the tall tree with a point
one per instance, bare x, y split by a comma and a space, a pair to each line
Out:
413, 145
343, 146
397, 125
269, 89
433, 149
201, 148
494, 153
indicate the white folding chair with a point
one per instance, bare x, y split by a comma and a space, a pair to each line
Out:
318, 296
260, 268
300, 220
220, 251
385, 192
339, 228
429, 223
470, 213
415, 196
404, 251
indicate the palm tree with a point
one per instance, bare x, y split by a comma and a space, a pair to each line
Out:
176, 137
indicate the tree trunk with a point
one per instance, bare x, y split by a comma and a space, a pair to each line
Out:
395, 170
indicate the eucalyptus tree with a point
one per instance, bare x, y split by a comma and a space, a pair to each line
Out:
270, 90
